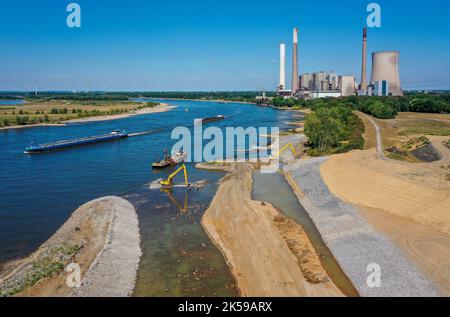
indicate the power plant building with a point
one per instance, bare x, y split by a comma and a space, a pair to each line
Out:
347, 85
381, 88
306, 81
385, 67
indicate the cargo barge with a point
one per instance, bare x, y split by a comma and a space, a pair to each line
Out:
47, 147
210, 119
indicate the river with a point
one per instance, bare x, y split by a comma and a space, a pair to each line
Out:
39, 192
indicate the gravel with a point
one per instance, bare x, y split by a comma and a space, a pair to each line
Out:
113, 272
353, 241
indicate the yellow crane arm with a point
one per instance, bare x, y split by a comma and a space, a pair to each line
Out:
289, 145
169, 181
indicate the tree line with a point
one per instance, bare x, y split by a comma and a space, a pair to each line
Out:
379, 107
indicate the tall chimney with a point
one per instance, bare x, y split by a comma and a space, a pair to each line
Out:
295, 63
282, 84
364, 63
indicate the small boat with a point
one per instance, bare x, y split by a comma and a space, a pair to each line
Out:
161, 164
170, 160
210, 119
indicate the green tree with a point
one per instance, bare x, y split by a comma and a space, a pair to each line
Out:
323, 129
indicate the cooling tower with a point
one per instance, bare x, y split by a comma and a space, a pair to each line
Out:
385, 67
295, 63
282, 84
364, 63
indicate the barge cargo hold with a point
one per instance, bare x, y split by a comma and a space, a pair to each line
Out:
47, 147
210, 119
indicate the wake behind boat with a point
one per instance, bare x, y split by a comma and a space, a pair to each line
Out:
47, 147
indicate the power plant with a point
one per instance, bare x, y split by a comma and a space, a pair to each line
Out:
385, 78
385, 68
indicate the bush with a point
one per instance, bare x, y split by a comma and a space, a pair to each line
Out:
333, 130
382, 111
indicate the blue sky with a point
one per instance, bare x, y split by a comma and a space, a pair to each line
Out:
212, 45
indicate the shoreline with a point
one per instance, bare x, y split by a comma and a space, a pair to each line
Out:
284, 262
101, 236
354, 242
205, 100
163, 107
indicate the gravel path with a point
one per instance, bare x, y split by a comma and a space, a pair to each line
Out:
380, 152
113, 273
353, 241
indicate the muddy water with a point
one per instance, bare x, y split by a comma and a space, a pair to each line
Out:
178, 257
273, 188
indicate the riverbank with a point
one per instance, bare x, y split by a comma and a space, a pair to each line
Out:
162, 107
354, 242
206, 100
269, 254
392, 194
101, 236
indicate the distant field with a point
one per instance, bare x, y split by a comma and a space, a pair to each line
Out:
423, 123
408, 125
61, 110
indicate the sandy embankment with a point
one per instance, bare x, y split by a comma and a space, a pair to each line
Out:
408, 202
354, 242
269, 254
163, 107
101, 236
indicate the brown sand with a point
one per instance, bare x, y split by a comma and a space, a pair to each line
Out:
414, 191
428, 248
269, 254
409, 202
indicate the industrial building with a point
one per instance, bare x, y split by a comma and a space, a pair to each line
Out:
381, 88
385, 67
347, 85
385, 78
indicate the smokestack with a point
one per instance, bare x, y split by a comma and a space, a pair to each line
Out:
364, 63
282, 85
295, 63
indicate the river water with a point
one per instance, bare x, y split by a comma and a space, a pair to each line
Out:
39, 192
11, 102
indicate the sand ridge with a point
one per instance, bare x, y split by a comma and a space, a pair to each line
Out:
268, 253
